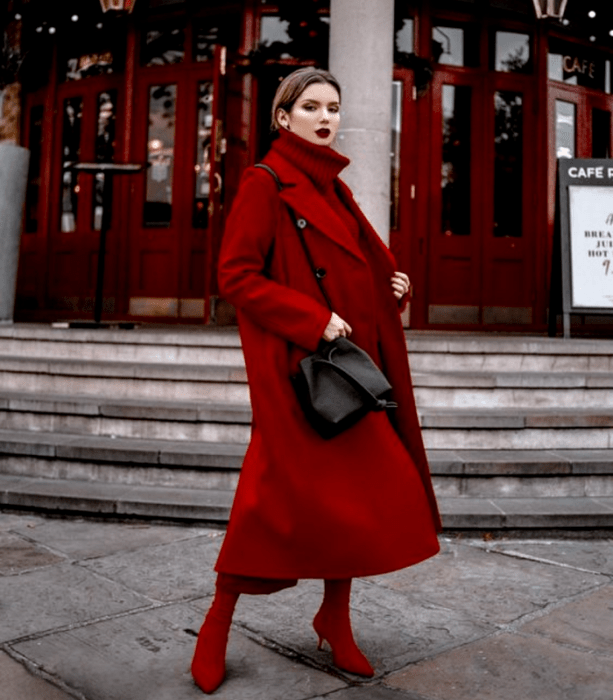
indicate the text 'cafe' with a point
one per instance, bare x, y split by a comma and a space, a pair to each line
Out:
486, 96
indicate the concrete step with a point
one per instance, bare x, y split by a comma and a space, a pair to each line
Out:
126, 418
535, 473
227, 423
229, 383
190, 345
213, 506
514, 390
211, 465
125, 379
215, 465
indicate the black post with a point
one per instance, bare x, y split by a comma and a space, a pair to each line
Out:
107, 170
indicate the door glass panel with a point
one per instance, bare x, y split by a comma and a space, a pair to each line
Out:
404, 36
203, 155
163, 46
395, 152
565, 129
105, 150
455, 46
35, 144
160, 155
455, 167
508, 164
448, 45
577, 65
601, 133
223, 30
273, 29
71, 150
89, 65
512, 52
283, 36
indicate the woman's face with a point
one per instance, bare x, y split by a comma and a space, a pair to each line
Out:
315, 115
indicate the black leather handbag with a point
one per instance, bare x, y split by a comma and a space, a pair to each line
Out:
339, 383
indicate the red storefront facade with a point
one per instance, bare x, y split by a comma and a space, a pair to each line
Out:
486, 97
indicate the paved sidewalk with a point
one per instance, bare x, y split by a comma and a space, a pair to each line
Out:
109, 611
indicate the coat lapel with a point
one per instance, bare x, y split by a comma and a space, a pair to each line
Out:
301, 195
376, 247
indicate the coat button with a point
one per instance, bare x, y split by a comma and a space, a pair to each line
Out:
320, 273
301, 223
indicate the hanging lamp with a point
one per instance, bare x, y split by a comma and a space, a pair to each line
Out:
117, 5
550, 8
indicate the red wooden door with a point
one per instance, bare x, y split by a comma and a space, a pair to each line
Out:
88, 128
480, 253
175, 211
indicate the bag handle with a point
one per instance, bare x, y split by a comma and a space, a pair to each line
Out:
377, 403
299, 224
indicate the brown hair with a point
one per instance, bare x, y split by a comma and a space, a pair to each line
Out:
294, 85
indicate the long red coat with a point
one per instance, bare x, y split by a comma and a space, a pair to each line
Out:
359, 504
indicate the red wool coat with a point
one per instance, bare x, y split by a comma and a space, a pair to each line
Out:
359, 504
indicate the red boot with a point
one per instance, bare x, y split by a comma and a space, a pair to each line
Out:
332, 624
209, 662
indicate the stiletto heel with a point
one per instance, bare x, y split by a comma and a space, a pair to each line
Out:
332, 625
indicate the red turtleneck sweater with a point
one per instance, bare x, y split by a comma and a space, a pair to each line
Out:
322, 165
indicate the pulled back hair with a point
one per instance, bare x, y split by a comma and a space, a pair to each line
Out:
294, 85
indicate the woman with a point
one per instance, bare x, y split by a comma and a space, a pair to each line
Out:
361, 503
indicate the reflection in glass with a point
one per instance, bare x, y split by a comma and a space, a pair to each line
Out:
448, 45
218, 29
88, 65
160, 155
455, 167
105, 150
404, 37
274, 29
35, 146
508, 164
71, 150
512, 52
576, 65
601, 133
203, 155
395, 152
163, 46
565, 129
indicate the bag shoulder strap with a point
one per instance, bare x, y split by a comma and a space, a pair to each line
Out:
299, 224
268, 169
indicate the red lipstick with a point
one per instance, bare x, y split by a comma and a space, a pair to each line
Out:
323, 133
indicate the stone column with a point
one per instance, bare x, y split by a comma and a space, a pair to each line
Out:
13, 182
361, 58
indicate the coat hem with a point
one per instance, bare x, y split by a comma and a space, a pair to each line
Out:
358, 572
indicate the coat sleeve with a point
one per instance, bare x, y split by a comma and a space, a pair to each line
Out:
248, 238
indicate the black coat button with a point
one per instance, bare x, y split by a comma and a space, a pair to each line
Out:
301, 223
320, 273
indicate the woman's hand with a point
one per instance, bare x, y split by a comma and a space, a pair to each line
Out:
400, 284
336, 328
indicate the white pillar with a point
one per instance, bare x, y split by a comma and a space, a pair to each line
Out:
361, 58
13, 182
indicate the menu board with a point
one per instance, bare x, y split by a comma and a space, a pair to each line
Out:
585, 229
591, 246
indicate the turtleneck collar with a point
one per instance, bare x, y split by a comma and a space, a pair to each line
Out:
321, 164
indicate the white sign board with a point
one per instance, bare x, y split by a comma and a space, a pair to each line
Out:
591, 246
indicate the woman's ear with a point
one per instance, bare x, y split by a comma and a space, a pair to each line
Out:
283, 118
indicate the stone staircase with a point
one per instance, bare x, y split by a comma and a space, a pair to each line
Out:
154, 422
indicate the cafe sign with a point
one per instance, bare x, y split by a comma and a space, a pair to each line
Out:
585, 219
